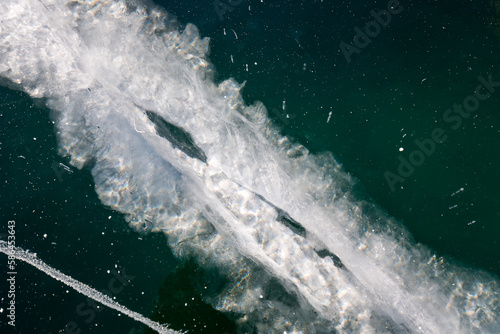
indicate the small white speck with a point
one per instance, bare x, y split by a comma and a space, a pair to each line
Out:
329, 116
401, 149
235, 33
34, 138
45, 235
109, 217
108, 271
472, 222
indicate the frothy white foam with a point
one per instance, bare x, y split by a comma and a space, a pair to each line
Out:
100, 65
82, 288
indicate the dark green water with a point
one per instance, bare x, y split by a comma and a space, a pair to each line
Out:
395, 91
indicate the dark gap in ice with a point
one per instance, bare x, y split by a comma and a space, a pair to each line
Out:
176, 136
336, 260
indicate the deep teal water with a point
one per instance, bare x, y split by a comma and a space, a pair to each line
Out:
393, 93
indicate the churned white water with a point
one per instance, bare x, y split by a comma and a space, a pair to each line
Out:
300, 253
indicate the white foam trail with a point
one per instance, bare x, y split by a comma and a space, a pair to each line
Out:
82, 288
101, 64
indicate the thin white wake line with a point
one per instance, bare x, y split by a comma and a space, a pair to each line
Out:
82, 288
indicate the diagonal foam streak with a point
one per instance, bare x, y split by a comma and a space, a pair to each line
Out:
80, 287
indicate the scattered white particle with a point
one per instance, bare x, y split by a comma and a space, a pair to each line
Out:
284, 104
108, 271
452, 207
109, 217
224, 31
21, 156
45, 235
186, 304
1, 310
53, 243
329, 116
401, 149
235, 33
116, 266
261, 296
423, 80
232, 59
472, 222
142, 292
458, 191
247, 67
255, 63
34, 138
102, 233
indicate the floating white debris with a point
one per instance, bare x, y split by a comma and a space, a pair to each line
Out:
458, 191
